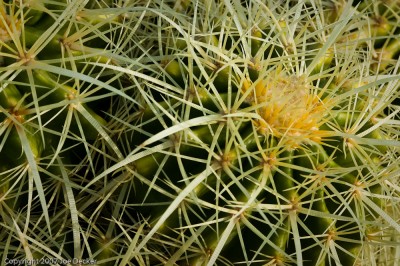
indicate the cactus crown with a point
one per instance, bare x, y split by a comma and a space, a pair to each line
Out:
287, 107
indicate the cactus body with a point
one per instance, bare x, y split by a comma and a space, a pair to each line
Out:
297, 157
200, 132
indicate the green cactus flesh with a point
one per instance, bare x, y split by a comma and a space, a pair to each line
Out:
200, 132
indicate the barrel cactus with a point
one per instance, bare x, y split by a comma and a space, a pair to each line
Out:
53, 104
202, 132
266, 134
